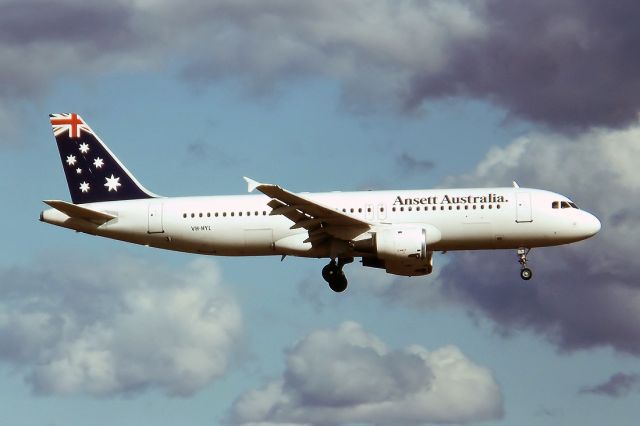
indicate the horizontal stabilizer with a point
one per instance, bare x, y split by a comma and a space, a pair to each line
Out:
79, 212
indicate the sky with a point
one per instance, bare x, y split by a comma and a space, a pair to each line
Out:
321, 96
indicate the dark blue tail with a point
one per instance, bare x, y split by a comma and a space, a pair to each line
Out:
93, 173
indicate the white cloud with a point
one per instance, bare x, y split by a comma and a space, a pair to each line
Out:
344, 375
585, 294
118, 327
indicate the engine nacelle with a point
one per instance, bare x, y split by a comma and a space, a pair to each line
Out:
400, 243
401, 250
409, 267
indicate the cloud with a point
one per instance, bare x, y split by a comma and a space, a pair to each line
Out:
344, 375
116, 327
565, 63
618, 385
410, 164
562, 63
585, 294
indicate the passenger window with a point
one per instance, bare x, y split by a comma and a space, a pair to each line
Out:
555, 205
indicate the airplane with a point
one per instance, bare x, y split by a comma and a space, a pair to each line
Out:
397, 231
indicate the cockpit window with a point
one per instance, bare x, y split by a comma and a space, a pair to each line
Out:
563, 205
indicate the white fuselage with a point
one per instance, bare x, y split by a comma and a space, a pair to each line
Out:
242, 225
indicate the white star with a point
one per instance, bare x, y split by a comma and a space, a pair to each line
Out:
98, 163
78, 170
112, 183
84, 148
71, 160
84, 187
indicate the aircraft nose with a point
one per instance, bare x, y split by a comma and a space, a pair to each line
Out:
591, 225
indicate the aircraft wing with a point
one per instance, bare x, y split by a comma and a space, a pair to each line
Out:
306, 213
79, 212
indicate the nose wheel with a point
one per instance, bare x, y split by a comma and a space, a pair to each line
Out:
525, 272
334, 276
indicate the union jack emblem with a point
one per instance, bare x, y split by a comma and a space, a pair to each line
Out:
71, 123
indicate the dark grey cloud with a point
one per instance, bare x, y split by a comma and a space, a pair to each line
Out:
583, 295
568, 64
347, 375
26, 22
618, 386
118, 326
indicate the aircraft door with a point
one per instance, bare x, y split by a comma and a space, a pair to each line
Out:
155, 218
523, 207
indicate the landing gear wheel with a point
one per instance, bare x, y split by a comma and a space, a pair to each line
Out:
339, 283
525, 272
330, 271
332, 274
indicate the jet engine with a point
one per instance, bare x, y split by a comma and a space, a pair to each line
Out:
401, 250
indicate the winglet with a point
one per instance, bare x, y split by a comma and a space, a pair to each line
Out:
515, 184
252, 184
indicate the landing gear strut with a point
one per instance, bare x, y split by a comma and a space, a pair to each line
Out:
525, 273
333, 274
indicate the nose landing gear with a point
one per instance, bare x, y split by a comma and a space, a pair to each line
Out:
333, 274
525, 273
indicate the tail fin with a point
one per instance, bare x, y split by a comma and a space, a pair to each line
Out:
93, 173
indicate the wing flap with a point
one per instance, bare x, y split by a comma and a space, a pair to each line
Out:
303, 211
79, 212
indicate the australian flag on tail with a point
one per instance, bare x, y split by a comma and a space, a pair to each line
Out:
93, 173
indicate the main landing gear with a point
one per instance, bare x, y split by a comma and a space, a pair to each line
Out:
525, 273
333, 274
